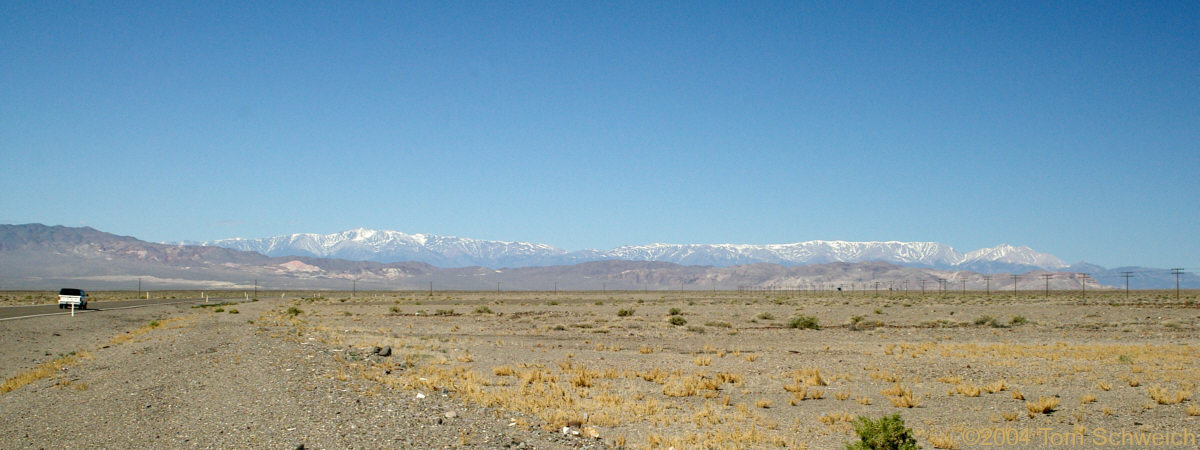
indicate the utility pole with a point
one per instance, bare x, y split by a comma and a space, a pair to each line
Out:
964, 287
1127, 275
555, 288
1047, 277
877, 289
1083, 277
922, 287
1014, 277
497, 287
139, 287
431, 289
353, 288
988, 285
255, 288
1177, 271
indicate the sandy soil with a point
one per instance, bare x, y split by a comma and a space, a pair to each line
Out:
515, 368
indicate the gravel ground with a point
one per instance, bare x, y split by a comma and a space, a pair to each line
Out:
214, 380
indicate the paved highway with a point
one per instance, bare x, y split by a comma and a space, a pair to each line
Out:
22, 312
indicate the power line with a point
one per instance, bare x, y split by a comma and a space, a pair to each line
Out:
1127, 274
1177, 271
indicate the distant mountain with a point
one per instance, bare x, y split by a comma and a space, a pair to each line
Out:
449, 251
35, 256
393, 246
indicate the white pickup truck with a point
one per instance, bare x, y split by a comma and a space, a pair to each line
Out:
72, 296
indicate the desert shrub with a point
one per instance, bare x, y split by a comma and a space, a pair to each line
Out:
1018, 320
766, 316
804, 322
886, 433
858, 323
989, 321
675, 311
483, 310
695, 329
677, 321
625, 312
294, 311
233, 311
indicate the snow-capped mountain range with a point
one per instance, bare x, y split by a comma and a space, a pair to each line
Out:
449, 251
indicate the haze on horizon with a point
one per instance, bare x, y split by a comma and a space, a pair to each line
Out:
1071, 128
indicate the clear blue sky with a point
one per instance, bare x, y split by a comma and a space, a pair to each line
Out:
1070, 127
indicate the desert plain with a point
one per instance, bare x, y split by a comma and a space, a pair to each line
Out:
625, 369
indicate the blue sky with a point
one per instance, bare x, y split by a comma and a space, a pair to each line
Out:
1070, 127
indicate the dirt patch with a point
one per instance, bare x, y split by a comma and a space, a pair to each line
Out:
641, 369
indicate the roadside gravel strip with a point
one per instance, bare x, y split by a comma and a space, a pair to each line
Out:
203, 379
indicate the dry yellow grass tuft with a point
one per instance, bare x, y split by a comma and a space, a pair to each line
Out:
885, 376
1193, 410
731, 378
967, 390
126, 337
1088, 398
703, 361
995, 386
503, 371
834, 418
1103, 386
1044, 405
1164, 396
810, 377
950, 379
43, 370
942, 439
901, 397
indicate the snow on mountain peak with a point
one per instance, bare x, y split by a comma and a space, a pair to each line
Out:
451, 251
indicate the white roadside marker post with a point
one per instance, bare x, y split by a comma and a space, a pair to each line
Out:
72, 310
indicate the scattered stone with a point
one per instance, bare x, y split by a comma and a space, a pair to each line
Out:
385, 352
451, 414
